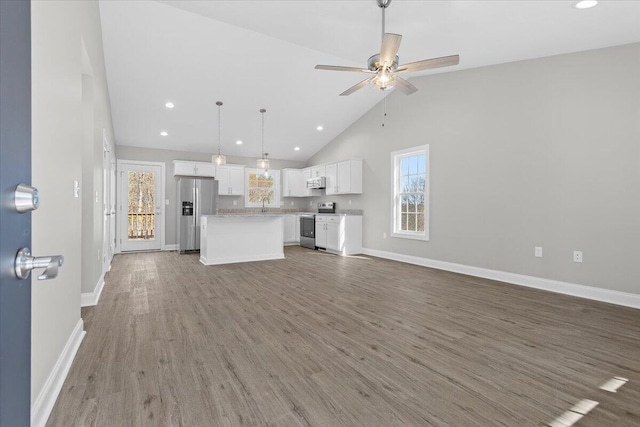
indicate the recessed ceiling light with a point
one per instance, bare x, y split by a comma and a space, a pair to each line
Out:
164, 133
239, 142
319, 127
585, 4
297, 148
169, 105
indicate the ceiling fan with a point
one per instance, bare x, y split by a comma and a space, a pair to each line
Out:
384, 66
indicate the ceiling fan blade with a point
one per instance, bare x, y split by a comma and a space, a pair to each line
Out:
357, 86
340, 68
404, 86
389, 49
427, 64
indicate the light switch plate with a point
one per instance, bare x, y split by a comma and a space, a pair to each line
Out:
538, 251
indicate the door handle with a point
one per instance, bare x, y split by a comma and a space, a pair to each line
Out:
25, 263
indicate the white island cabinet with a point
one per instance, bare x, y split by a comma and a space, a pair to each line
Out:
227, 239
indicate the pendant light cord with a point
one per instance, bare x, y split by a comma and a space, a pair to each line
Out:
262, 110
219, 104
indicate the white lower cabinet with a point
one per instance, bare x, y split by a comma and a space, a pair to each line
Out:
340, 234
291, 229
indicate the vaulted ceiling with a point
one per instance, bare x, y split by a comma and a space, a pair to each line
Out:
261, 54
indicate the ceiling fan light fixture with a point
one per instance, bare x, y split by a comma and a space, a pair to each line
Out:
385, 80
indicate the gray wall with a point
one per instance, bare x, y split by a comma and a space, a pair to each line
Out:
58, 142
544, 152
224, 202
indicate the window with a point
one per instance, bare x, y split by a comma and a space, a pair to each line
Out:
261, 188
410, 204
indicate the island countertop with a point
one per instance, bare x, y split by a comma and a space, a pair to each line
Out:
232, 238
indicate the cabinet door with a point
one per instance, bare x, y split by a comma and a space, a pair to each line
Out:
318, 171
222, 175
184, 169
334, 239
236, 180
321, 234
304, 176
344, 177
289, 228
205, 169
291, 180
286, 183
332, 179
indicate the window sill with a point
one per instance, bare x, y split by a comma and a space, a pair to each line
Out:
411, 236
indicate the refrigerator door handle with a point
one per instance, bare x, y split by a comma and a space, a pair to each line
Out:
193, 197
197, 207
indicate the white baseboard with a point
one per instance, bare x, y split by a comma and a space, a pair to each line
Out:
41, 408
598, 294
170, 247
90, 299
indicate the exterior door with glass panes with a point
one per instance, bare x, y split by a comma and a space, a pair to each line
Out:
140, 206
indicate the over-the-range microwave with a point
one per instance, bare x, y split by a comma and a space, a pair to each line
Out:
319, 182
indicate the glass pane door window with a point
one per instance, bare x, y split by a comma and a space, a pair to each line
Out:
140, 207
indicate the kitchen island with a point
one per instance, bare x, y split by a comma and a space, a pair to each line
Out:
227, 239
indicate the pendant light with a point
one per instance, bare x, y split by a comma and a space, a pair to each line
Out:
263, 162
219, 159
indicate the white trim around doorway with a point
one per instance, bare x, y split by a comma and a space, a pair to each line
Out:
163, 190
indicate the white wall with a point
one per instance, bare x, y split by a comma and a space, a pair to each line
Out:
58, 29
544, 152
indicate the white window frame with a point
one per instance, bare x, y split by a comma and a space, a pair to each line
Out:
275, 203
396, 157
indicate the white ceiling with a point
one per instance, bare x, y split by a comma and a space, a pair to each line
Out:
261, 54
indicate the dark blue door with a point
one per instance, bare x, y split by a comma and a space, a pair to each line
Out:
15, 228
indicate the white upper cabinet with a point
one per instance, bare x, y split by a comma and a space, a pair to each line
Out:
292, 183
231, 180
318, 171
344, 177
187, 168
332, 179
305, 175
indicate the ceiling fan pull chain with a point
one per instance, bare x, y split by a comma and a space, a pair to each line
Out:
384, 117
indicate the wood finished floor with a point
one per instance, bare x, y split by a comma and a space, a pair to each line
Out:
321, 340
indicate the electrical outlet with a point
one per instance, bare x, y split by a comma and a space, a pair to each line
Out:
76, 189
310, 203
291, 203
577, 256
235, 203
349, 202
384, 234
538, 251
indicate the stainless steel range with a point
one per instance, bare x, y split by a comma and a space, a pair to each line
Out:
308, 224
327, 207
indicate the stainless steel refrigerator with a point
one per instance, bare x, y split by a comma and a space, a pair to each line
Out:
196, 197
